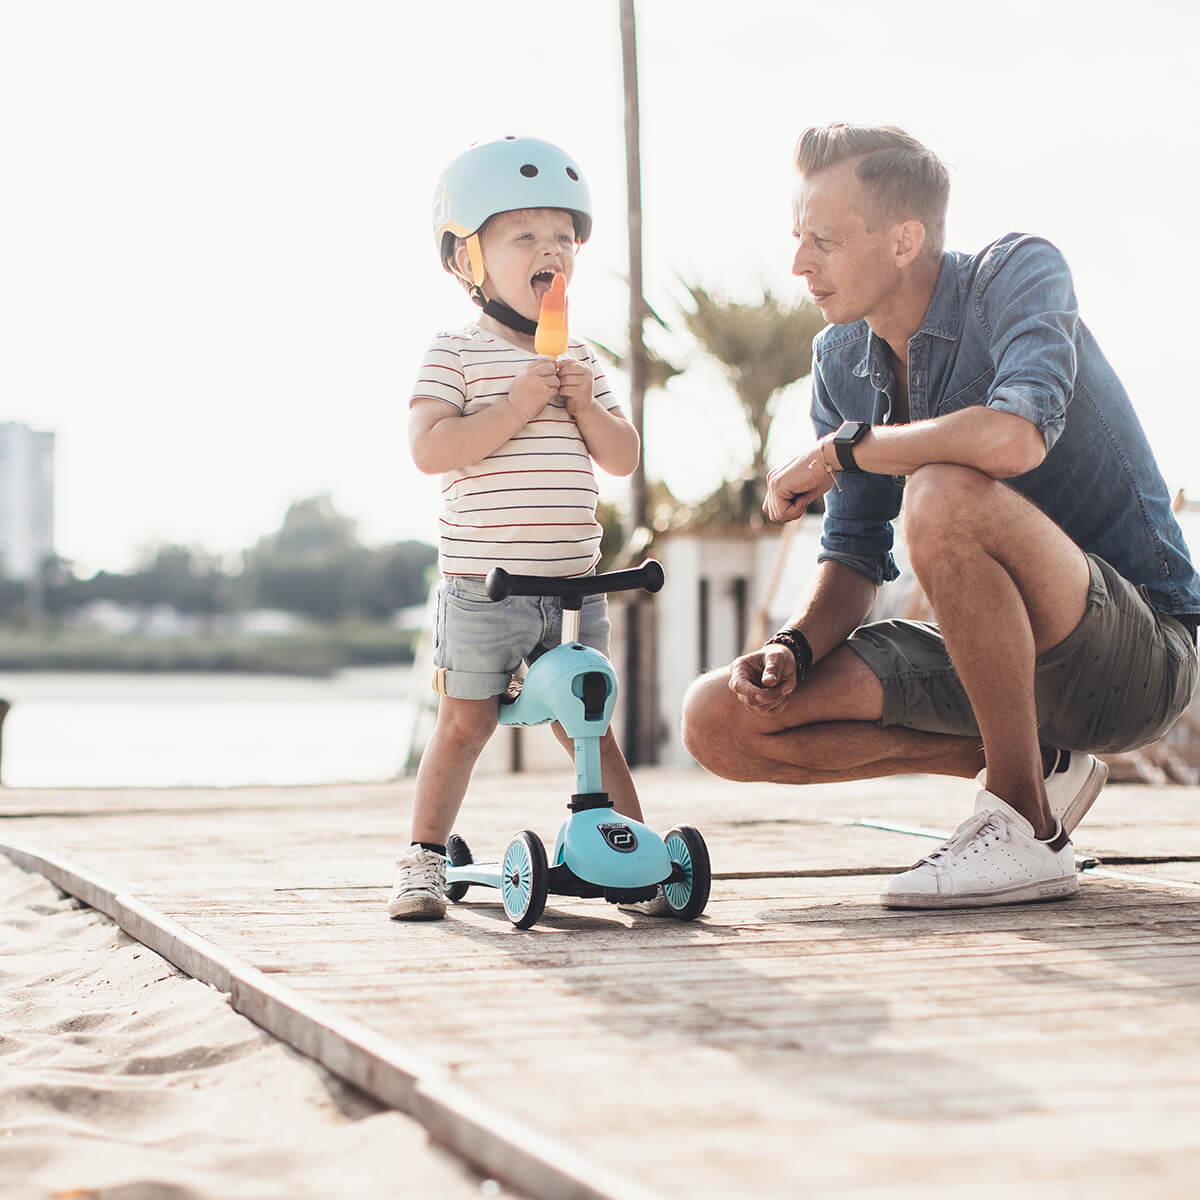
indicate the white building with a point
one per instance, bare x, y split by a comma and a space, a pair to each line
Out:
26, 499
726, 591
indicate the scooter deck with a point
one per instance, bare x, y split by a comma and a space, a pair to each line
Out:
562, 881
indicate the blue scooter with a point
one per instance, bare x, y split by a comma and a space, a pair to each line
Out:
597, 852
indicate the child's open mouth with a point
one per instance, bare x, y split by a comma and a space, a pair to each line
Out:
541, 283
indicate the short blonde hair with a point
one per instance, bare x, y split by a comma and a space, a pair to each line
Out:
901, 177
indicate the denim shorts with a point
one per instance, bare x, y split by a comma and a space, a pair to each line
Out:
1119, 680
478, 643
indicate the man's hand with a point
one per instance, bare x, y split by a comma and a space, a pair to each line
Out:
794, 486
764, 679
534, 387
575, 384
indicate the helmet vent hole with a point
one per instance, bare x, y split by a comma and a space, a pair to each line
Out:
573, 174
529, 170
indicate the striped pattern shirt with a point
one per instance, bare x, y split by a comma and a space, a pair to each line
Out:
530, 506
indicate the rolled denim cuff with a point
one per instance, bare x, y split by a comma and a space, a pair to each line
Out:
877, 569
1038, 405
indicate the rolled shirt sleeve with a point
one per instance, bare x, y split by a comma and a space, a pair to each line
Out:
1028, 309
858, 530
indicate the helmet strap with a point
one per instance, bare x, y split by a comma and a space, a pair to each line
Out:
496, 309
500, 311
475, 255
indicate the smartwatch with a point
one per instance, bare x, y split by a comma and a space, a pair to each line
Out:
844, 441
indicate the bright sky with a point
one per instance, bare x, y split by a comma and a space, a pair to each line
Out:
217, 274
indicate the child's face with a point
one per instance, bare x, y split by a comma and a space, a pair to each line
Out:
523, 251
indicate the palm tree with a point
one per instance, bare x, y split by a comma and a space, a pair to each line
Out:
763, 347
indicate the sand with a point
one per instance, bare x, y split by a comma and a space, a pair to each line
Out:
123, 1079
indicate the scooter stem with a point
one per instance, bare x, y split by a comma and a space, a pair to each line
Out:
572, 614
588, 778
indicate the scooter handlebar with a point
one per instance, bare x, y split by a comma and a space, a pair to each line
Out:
649, 575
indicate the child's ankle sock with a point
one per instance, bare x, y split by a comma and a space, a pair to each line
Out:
432, 846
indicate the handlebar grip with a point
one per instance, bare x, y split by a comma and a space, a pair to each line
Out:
648, 575
498, 584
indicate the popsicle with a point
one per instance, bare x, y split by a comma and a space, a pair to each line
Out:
551, 336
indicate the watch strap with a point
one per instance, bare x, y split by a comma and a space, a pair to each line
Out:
845, 454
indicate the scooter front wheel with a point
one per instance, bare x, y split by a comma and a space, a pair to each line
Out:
459, 854
687, 897
524, 879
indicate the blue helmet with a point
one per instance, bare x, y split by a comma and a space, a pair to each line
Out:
500, 176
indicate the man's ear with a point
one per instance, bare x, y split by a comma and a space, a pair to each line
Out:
909, 242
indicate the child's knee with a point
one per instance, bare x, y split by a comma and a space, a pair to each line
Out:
467, 723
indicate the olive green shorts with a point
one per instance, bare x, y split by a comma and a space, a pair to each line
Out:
1120, 679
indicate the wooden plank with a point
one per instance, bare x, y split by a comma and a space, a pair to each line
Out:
798, 1039
495, 1142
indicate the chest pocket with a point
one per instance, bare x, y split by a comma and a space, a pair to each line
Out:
971, 393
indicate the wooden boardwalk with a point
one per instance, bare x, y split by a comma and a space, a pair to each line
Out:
797, 1041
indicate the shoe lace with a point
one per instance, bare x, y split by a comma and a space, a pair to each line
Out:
972, 836
428, 871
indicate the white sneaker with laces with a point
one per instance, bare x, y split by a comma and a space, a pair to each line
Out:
656, 906
993, 858
420, 890
1073, 784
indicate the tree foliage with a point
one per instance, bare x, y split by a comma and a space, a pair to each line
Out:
313, 565
763, 347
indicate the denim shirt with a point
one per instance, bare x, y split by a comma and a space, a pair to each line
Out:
1003, 330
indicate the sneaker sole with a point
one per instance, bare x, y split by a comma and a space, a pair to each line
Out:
1025, 893
648, 908
1086, 797
416, 913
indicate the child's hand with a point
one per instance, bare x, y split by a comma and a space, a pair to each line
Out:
575, 384
533, 388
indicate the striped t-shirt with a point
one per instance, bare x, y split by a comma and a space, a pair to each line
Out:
530, 506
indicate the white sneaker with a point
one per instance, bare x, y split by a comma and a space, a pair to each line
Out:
656, 906
420, 890
1073, 784
993, 858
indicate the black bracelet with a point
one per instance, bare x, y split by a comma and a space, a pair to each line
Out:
797, 643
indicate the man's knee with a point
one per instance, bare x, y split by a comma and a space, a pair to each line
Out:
938, 496
709, 717
941, 501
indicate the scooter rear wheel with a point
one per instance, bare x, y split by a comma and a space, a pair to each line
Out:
687, 898
524, 879
459, 854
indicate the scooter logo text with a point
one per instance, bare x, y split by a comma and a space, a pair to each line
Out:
620, 837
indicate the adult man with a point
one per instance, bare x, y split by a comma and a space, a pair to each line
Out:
1035, 520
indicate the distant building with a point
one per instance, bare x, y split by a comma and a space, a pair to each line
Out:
26, 499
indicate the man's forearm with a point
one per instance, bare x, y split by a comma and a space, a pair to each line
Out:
999, 444
836, 605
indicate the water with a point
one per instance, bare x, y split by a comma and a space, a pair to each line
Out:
70, 729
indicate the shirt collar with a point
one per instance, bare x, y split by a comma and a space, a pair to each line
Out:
874, 362
941, 320
941, 317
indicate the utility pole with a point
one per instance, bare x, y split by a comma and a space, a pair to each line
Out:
640, 741
637, 302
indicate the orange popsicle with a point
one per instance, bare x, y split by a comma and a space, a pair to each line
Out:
551, 336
